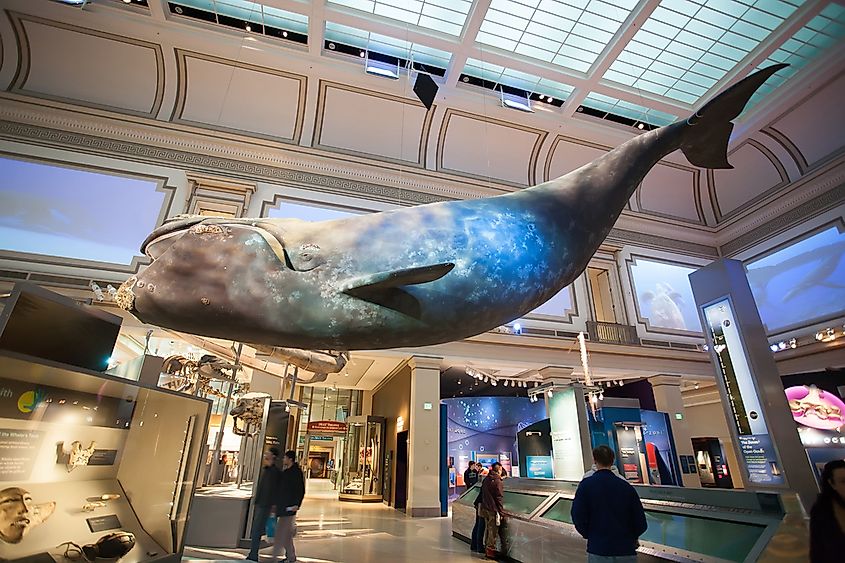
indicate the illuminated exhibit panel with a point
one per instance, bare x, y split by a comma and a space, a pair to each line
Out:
92, 457
77, 214
683, 524
664, 296
802, 282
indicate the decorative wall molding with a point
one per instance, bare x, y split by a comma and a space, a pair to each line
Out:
624, 236
25, 61
182, 57
218, 196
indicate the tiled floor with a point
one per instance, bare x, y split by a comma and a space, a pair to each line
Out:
342, 532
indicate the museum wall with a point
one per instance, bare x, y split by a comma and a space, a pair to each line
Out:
705, 418
392, 399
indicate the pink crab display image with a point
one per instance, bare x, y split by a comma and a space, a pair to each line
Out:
816, 407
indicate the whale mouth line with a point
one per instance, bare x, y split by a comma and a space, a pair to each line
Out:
171, 228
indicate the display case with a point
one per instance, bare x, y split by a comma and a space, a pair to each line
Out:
94, 466
361, 473
684, 525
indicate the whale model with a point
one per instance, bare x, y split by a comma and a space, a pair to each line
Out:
410, 277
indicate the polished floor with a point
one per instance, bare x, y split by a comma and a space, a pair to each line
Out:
341, 532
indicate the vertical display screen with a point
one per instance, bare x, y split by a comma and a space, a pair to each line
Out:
756, 447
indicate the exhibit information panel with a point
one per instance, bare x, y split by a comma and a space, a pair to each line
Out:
761, 461
92, 466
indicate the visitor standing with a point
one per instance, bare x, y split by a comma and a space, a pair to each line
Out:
470, 475
607, 512
290, 494
827, 517
265, 496
492, 508
476, 544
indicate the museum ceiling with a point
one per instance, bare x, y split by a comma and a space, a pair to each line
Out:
310, 85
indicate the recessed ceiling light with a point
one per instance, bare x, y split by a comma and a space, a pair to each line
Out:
640, 125
248, 28
465, 78
284, 34
542, 97
362, 54
331, 46
550, 100
127, 1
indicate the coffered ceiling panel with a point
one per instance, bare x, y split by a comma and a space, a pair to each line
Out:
357, 121
228, 95
488, 149
753, 175
816, 126
672, 191
569, 153
88, 67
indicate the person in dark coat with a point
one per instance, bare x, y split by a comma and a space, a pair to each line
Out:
607, 512
291, 491
492, 508
477, 541
265, 499
827, 517
471, 475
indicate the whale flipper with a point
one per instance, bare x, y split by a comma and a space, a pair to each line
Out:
396, 278
706, 145
386, 288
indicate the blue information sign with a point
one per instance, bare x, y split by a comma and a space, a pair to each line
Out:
539, 466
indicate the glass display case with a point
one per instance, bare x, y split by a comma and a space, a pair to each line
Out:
94, 466
360, 476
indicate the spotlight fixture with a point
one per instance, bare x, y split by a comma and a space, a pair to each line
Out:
793, 343
696, 385
332, 46
517, 102
773, 347
284, 34
536, 384
550, 394
248, 28
517, 328
127, 1
640, 126
98, 292
542, 97
550, 99
362, 54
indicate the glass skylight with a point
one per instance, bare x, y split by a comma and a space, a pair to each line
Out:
568, 33
252, 12
687, 46
809, 43
386, 45
636, 112
447, 16
516, 79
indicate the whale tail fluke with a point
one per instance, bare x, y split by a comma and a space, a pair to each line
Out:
710, 127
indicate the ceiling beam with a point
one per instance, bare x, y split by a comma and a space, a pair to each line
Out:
769, 45
316, 27
158, 9
612, 50
475, 18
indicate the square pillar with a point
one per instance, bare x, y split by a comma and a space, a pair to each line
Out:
424, 438
667, 398
572, 452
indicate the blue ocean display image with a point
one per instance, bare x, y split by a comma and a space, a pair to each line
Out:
56, 211
664, 295
488, 425
801, 282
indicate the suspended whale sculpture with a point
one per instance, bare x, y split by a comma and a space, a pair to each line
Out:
411, 277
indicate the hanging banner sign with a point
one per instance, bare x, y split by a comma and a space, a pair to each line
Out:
327, 427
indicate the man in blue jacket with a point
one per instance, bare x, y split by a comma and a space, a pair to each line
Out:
607, 511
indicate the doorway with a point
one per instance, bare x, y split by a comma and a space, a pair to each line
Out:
318, 464
401, 471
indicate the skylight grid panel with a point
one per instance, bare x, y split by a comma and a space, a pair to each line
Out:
652, 39
561, 90
207, 5
658, 78
484, 65
676, 60
659, 28
718, 19
708, 71
534, 52
599, 36
690, 88
739, 41
705, 29
588, 45
681, 96
556, 35
705, 82
414, 6
695, 40
496, 41
460, 6
750, 30
506, 20
686, 51
684, 7
554, 21
781, 9
716, 61
573, 64
620, 77
283, 14
763, 19
730, 7
669, 17
554, 8
609, 11
448, 28
668, 70
652, 87
728, 52
599, 22
627, 68
808, 51
442, 13
577, 54
644, 50
509, 7
633, 58
540, 42
499, 30
363, 5
397, 14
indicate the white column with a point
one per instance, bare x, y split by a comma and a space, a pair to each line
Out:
424, 438
567, 411
667, 398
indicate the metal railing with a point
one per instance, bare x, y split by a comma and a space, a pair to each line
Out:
612, 333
